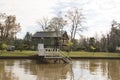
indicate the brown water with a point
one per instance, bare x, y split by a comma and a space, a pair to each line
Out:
78, 70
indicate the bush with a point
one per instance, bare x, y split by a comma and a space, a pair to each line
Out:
3, 46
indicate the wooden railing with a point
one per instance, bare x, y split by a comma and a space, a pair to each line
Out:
56, 53
51, 52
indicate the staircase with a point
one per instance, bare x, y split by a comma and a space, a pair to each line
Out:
53, 53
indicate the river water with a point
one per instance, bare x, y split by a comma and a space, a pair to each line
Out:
87, 69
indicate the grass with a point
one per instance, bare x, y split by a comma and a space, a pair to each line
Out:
71, 54
17, 53
93, 54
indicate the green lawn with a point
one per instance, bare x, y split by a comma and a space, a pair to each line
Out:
93, 54
17, 53
71, 54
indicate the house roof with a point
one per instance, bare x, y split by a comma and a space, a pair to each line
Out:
48, 34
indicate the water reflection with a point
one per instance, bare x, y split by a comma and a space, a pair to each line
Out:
96, 70
78, 70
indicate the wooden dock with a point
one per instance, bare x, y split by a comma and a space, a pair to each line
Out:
52, 54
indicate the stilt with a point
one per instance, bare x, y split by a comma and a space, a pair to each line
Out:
55, 61
59, 61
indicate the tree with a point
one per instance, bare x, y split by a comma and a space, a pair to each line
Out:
3, 46
75, 19
69, 45
114, 36
91, 44
8, 27
19, 44
57, 24
104, 43
27, 40
28, 37
44, 22
83, 43
111, 41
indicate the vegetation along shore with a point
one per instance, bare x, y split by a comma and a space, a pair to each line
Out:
73, 54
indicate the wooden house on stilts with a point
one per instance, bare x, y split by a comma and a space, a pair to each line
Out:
49, 45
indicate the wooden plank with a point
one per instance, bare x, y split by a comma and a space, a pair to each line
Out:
54, 57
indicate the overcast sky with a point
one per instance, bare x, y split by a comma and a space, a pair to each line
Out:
98, 13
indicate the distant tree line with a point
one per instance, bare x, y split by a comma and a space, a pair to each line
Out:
107, 43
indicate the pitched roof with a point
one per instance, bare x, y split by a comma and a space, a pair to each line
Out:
48, 34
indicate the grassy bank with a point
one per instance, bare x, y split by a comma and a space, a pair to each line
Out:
17, 53
71, 54
94, 54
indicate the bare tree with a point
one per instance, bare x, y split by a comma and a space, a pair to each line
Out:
8, 26
57, 23
44, 22
75, 18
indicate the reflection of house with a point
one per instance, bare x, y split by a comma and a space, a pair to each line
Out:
51, 38
51, 71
